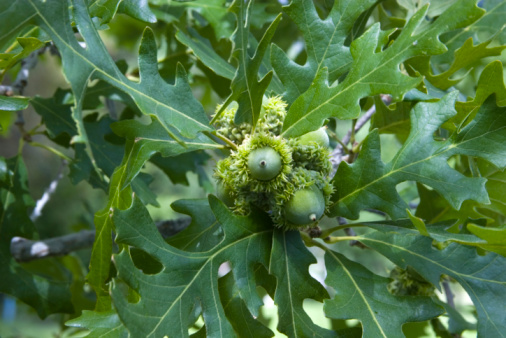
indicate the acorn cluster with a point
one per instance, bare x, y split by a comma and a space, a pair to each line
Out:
287, 178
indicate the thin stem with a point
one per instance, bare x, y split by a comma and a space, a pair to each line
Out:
335, 137
54, 151
475, 171
338, 152
326, 233
225, 139
318, 244
449, 294
336, 239
353, 131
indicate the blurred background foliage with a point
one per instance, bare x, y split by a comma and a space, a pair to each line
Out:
72, 206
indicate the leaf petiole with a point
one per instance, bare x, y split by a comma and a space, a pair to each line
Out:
326, 233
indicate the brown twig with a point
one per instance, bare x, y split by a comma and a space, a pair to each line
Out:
338, 154
25, 250
449, 294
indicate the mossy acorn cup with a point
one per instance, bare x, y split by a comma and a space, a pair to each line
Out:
264, 163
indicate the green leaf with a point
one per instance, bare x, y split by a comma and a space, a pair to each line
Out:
57, 117
167, 298
483, 277
237, 312
203, 49
46, 296
495, 237
443, 232
489, 25
107, 9
215, 12
324, 40
362, 295
16, 17
143, 141
246, 89
101, 253
369, 183
9, 59
434, 208
374, 72
289, 262
275, 86
393, 119
435, 9
203, 233
178, 166
106, 153
173, 105
7, 119
189, 276
456, 323
8, 103
465, 57
101, 324
418, 223
496, 187
104, 9
491, 82
138, 9
146, 140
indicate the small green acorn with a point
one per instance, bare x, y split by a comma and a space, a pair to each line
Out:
319, 137
306, 206
264, 163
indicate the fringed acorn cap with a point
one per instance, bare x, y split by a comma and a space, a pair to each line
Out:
273, 115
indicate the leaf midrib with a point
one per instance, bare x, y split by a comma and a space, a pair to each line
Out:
210, 259
400, 169
119, 82
395, 55
350, 276
461, 275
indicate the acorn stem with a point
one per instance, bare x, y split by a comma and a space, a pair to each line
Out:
225, 139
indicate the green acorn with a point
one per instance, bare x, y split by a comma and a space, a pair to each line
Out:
308, 188
306, 206
225, 194
259, 176
264, 163
318, 137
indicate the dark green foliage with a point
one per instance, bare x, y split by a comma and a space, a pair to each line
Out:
430, 166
